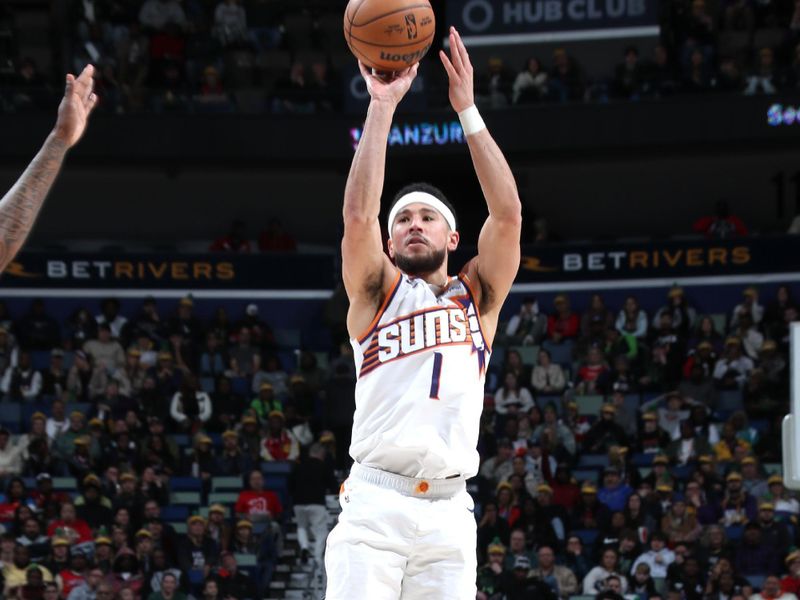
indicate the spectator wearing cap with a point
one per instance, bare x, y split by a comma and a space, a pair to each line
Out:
265, 402
590, 372
256, 503
196, 551
683, 314
689, 447
92, 506
595, 580
551, 513
190, 408
615, 492
560, 579
232, 461
589, 513
184, 324
672, 408
605, 433
491, 581
272, 372
520, 585
730, 445
753, 555
773, 364
75, 530
129, 496
234, 583
250, 436
14, 572
218, 528
752, 480
159, 567
660, 473
279, 443
22, 383
651, 439
738, 506
773, 532
791, 582
244, 540
58, 559
499, 467
563, 325
309, 483
528, 326
245, 359
785, 504
226, 405
491, 526
103, 551
749, 304
126, 568
679, 524
510, 398
202, 462
260, 332
80, 462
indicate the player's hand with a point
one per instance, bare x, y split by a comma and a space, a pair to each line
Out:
459, 70
75, 107
391, 91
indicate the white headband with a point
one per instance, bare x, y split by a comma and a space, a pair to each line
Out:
422, 198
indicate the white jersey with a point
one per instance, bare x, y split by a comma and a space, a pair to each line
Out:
421, 371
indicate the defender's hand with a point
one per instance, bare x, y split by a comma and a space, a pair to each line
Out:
391, 91
77, 104
459, 70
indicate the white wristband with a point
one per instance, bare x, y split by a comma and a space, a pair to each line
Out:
471, 121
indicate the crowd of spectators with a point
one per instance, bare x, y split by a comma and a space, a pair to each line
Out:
635, 452
119, 431
273, 56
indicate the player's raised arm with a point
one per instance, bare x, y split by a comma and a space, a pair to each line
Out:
20, 206
366, 270
498, 245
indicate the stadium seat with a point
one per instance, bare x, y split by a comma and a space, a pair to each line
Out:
174, 513
582, 475
734, 532
65, 483
729, 401
223, 497
589, 405
185, 484
276, 467
757, 581
633, 402
773, 468
246, 560
587, 536
528, 354
180, 528
40, 359
289, 339
226, 483
207, 384
188, 498
560, 353
10, 413
241, 386
720, 320
593, 460
643, 459
181, 440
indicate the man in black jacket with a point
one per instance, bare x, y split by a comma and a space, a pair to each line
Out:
308, 484
232, 582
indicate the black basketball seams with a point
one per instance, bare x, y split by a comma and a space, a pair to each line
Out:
394, 12
419, 41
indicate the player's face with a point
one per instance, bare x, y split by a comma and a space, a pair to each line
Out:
421, 239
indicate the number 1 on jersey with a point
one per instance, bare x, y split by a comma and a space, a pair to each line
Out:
437, 372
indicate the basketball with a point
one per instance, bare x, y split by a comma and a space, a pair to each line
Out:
389, 35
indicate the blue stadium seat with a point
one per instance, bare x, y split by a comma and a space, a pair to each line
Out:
593, 460
730, 400
40, 359
734, 532
207, 384
560, 353
633, 402
643, 459
241, 386
587, 536
757, 581
280, 485
10, 413
174, 513
277, 467
185, 484
221, 484
582, 475
181, 440
288, 338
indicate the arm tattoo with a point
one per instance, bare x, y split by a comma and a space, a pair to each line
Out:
20, 206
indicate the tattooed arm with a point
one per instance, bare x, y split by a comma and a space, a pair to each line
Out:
20, 206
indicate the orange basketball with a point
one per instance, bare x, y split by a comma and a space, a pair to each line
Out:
389, 35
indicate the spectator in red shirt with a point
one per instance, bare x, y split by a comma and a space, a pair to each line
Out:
722, 224
790, 584
257, 504
74, 529
275, 238
235, 240
563, 324
591, 371
279, 444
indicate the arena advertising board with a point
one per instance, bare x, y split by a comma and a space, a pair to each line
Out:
667, 260
491, 22
155, 271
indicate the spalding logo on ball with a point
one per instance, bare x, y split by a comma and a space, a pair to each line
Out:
389, 35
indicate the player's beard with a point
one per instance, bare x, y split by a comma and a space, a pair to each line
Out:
421, 265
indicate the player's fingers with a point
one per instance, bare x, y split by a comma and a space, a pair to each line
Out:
448, 66
92, 102
366, 73
70, 85
86, 80
455, 55
462, 50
